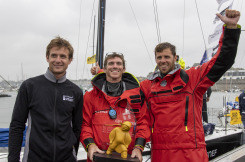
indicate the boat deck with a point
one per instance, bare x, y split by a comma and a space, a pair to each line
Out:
220, 132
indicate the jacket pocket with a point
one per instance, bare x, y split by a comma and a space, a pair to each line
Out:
168, 98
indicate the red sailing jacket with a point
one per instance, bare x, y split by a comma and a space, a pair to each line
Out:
176, 104
130, 106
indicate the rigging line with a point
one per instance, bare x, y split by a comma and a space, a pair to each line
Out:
140, 32
6, 81
157, 21
93, 36
158, 24
84, 62
241, 61
237, 4
242, 56
78, 41
241, 8
183, 43
200, 25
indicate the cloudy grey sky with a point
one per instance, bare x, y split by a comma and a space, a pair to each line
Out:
27, 26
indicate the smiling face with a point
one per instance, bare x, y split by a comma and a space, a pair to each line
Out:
58, 60
165, 61
114, 69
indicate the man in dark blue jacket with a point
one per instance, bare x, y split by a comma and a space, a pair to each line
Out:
205, 99
53, 106
242, 106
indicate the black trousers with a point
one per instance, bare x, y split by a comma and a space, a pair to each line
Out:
204, 111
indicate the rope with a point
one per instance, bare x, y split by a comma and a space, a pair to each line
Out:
242, 55
241, 8
157, 21
78, 41
200, 25
183, 43
241, 62
238, 5
7, 82
140, 32
84, 63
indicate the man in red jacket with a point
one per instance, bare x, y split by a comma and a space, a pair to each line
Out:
116, 97
175, 97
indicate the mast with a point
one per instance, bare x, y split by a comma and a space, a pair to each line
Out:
100, 34
93, 36
6, 82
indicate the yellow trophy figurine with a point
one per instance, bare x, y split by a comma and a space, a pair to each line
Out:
120, 139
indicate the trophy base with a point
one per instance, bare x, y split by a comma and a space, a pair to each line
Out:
114, 157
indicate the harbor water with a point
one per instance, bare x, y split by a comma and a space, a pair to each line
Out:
6, 109
214, 106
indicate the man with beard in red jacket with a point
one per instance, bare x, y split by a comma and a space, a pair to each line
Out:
116, 97
175, 97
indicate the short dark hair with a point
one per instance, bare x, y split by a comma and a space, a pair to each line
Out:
60, 42
113, 55
162, 46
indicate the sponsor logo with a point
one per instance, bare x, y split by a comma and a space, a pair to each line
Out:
102, 112
68, 98
163, 83
212, 153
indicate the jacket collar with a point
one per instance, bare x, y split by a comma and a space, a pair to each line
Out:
129, 81
179, 81
50, 76
158, 73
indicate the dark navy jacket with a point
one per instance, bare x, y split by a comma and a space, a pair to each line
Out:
242, 105
54, 112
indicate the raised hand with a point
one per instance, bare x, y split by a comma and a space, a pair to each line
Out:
231, 18
94, 70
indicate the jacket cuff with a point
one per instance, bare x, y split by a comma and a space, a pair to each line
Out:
140, 142
139, 148
87, 142
238, 26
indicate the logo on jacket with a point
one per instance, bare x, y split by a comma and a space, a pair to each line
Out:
68, 98
163, 83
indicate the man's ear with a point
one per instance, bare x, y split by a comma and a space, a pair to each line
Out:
104, 69
47, 58
70, 60
175, 58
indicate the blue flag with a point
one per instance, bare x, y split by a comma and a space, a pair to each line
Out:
204, 58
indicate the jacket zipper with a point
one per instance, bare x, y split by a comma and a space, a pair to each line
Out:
186, 113
149, 106
55, 99
152, 117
